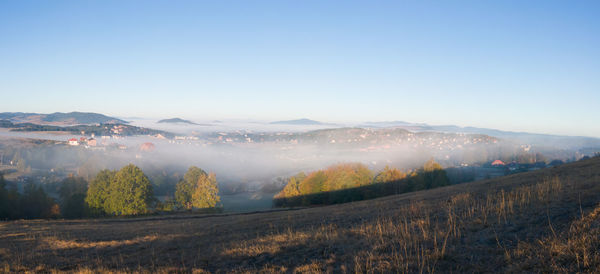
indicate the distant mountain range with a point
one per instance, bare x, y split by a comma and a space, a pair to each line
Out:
89, 118
300, 122
60, 119
176, 121
548, 140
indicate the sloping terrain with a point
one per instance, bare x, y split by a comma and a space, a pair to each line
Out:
302, 121
176, 121
542, 221
60, 119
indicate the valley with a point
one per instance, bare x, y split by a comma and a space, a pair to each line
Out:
545, 220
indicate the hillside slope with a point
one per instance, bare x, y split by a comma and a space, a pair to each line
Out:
60, 119
176, 121
547, 220
298, 122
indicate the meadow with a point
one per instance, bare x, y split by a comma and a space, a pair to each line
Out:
541, 221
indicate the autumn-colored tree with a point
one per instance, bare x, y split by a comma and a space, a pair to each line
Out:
352, 182
389, 175
313, 183
431, 165
432, 175
206, 193
184, 190
350, 175
197, 190
336, 177
292, 188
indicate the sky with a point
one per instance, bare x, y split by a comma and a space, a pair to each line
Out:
514, 65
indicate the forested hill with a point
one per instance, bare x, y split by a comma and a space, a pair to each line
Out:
97, 129
299, 122
59, 118
176, 121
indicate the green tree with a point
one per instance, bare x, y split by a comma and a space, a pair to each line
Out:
130, 193
206, 193
98, 192
184, 190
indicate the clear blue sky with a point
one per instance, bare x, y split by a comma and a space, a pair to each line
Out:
514, 65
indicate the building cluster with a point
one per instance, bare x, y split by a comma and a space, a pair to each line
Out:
365, 139
91, 142
518, 167
117, 129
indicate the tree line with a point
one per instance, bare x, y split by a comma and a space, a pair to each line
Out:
123, 192
353, 182
33, 203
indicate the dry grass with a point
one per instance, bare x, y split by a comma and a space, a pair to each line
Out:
543, 221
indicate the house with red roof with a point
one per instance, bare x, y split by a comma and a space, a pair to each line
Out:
73, 142
498, 163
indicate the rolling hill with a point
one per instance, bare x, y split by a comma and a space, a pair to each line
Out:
60, 119
541, 221
176, 121
546, 140
299, 122
96, 129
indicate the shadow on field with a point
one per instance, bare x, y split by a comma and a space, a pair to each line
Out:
543, 221
271, 247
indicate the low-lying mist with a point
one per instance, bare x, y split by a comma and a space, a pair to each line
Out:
253, 160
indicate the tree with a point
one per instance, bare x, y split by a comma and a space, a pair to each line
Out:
184, 190
206, 193
10, 201
389, 175
98, 192
314, 183
431, 165
35, 203
4, 200
130, 193
432, 175
72, 195
348, 175
292, 188
335, 177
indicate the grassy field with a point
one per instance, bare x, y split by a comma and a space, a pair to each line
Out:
547, 220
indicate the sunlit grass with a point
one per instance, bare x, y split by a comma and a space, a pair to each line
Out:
546, 221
